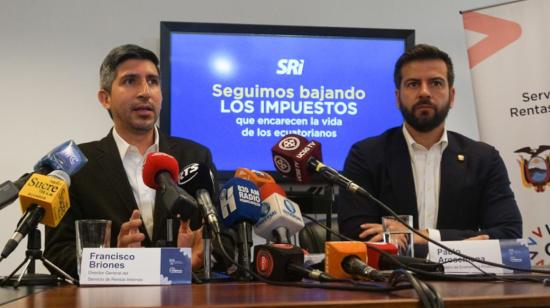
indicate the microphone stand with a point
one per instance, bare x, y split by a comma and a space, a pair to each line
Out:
28, 275
329, 212
244, 229
207, 250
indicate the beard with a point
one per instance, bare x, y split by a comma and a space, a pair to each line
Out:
142, 125
424, 122
136, 124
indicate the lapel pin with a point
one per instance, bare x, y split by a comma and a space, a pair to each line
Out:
460, 157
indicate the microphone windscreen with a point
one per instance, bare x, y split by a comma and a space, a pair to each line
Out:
336, 251
278, 212
271, 188
50, 193
66, 157
155, 163
257, 177
374, 255
196, 176
239, 201
291, 155
271, 261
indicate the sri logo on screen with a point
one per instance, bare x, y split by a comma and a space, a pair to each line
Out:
290, 67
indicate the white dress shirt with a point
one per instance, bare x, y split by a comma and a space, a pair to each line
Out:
426, 167
132, 161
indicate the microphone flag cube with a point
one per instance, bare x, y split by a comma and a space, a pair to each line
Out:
336, 251
278, 211
291, 155
257, 177
48, 192
271, 261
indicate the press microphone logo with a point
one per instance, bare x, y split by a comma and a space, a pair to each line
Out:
264, 263
63, 204
69, 155
282, 164
306, 149
264, 208
227, 202
46, 187
290, 67
289, 206
289, 143
188, 173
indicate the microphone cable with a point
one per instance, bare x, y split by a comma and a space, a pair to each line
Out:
426, 274
426, 293
373, 287
484, 277
333, 176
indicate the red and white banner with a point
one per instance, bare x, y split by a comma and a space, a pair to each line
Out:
509, 53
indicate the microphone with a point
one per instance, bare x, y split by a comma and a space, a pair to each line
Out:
291, 156
271, 188
160, 172
357, 268
45, 199
295, 157
390, 263
259, 178
284, 262
9, 190
281, 217
346, 259
373, 252
66, 157
239, 201
240, 209
198, 180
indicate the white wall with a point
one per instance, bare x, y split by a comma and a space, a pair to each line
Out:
50, 52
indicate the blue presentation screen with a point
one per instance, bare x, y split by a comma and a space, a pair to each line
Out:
240, 93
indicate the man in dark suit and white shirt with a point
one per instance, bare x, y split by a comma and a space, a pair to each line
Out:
110, 186
455, 188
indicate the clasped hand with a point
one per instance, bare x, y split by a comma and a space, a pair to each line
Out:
376, 232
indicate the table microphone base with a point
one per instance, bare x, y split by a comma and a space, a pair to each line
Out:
28, 276
215, 277
32, 280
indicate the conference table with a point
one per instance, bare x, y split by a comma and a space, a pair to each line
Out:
256, 294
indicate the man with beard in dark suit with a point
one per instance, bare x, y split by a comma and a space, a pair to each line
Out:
455, 188
110, 185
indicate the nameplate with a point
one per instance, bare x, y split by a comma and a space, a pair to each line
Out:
135, 266
509, 252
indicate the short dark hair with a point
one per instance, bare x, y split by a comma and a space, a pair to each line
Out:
107, 71
422, 52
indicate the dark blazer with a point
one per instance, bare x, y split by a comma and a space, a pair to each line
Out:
101, 190
474, 198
